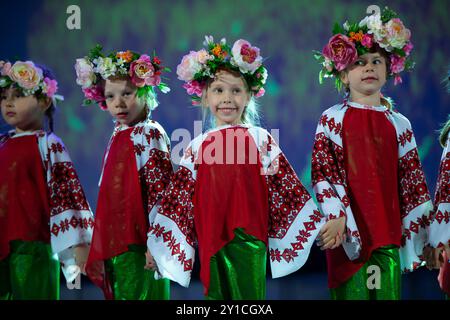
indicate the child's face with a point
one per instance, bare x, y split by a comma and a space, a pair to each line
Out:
25, 113
122, 102
366, 76
227, 96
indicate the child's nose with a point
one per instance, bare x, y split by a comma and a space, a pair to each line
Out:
119, 103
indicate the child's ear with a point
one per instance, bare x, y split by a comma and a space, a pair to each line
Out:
343, 75
203, 101
45, 103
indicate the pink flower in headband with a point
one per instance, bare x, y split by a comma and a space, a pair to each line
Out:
260, 93
142, 72
6, 67
408, 48
26, 74
95, 93
341, 51
397, 64
367, 40
194, 87
245, 56
189, 66
50, 87
396, 33
397, 80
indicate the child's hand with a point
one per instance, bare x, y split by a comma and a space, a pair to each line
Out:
81, 256
150, 263
434, 257
332, 234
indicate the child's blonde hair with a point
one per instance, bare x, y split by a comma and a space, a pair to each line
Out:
250, 116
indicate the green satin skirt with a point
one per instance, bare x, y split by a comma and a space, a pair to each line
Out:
30, 272
238, 270
130, 281
382, 281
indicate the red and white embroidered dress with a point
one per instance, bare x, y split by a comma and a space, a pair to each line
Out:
136, 170
221, 185
365, 166
41, 198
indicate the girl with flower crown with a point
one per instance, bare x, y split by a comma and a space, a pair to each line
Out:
45, 220
366, 169
234, 195
136, 169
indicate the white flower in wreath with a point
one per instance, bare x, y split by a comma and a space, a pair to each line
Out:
245, 57
85, 73
105, 66
373, 23
121, 68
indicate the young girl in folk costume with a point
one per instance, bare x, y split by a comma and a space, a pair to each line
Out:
366, 169
45, 219
234, 193
439, 231
136, 169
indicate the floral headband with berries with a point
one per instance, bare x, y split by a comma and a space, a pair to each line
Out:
199, 66
350, 41
29, 79
144, 72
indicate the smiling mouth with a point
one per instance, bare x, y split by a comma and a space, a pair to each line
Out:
10, 114
227, 109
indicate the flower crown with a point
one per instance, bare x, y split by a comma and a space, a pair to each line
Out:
353, 40
144, 72
199, 66
29, 78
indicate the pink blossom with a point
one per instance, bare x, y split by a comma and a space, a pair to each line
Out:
397, 64
95, 93
51, 86
341, 51
367, 40
26, 74
260, 93
408, 48
396, 33
6, 68
188, 66
194, 87
245, 56
397, 79
142, 72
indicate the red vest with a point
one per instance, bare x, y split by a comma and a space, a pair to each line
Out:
229, 195
24, 199
371, 164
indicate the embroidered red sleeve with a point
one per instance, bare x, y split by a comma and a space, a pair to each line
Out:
327, 161
155, 176
413, 187
442, 193
177, 205
65, 189
287, 197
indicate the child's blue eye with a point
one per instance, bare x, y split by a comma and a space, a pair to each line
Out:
237, 90
359, 63
218, 90
377, 61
